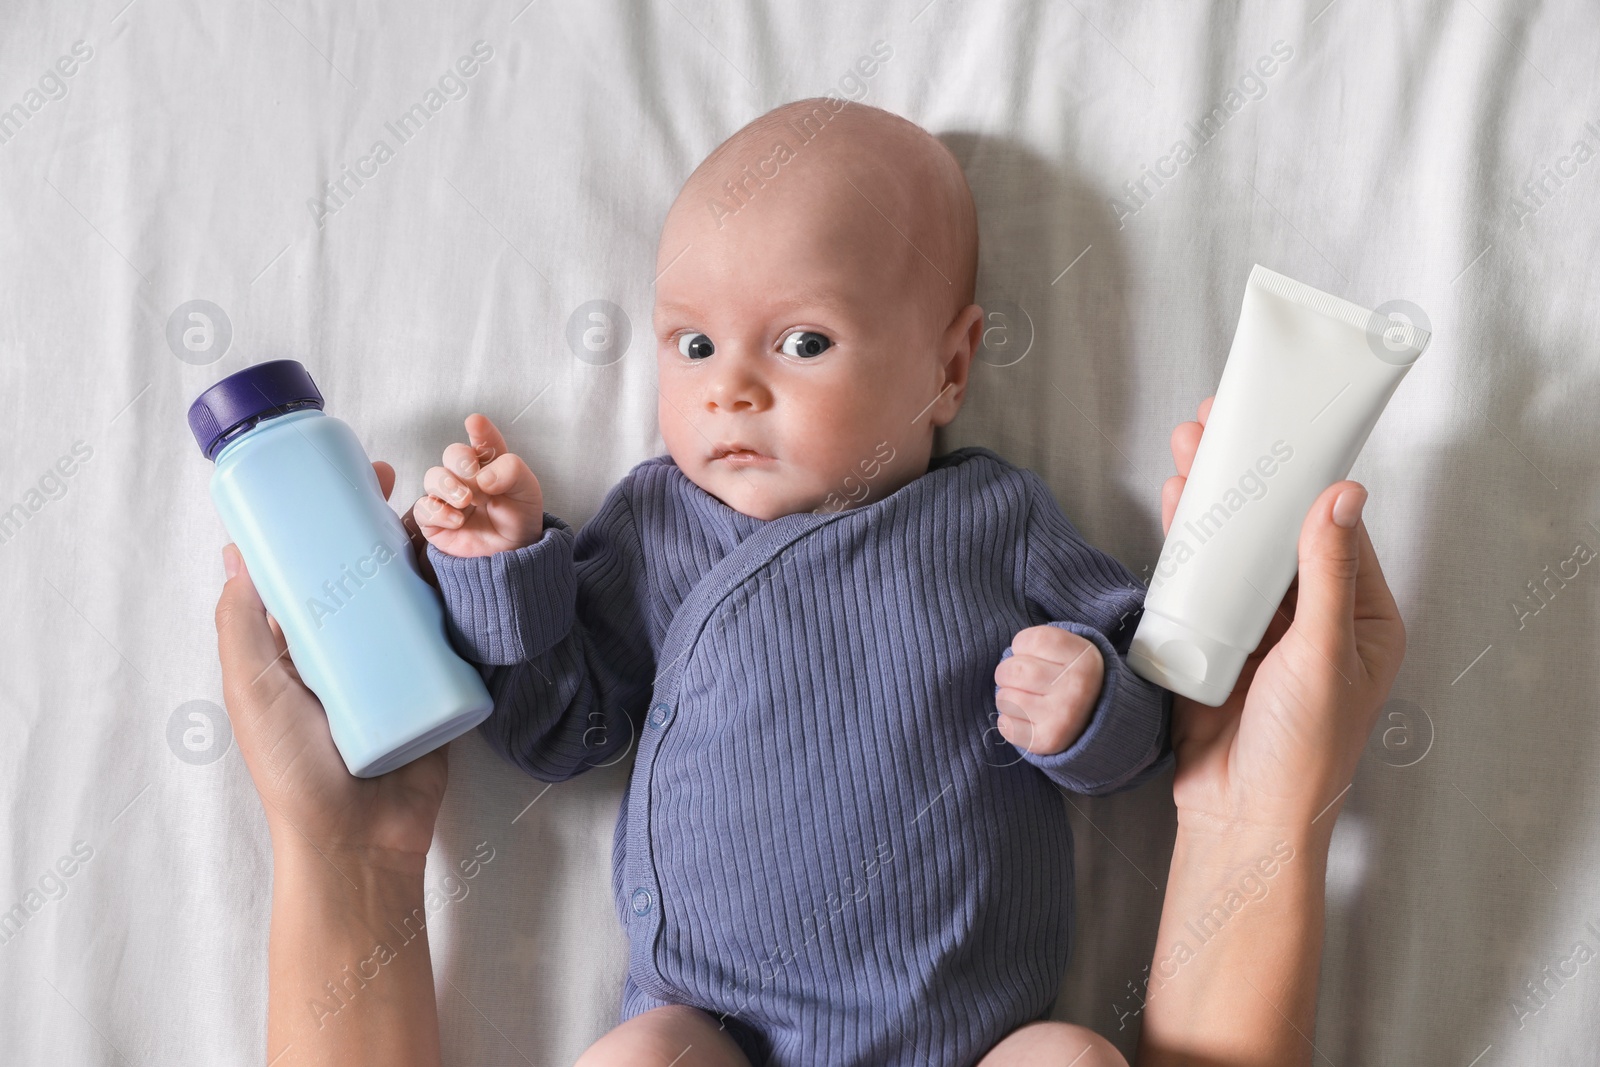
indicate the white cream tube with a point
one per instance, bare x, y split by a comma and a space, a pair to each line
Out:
1306, 379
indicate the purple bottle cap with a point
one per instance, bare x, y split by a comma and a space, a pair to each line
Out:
245, 397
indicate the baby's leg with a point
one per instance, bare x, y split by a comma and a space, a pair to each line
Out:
1054, 1044
674, 1036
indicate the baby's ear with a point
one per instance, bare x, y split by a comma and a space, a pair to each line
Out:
956, 350
965, 330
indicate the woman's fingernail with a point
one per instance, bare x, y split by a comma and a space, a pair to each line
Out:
1347, 507
230, 560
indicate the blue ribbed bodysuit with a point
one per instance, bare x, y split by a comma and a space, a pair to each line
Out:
824, 841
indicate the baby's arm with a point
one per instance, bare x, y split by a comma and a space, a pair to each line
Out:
1117, 725
556, 625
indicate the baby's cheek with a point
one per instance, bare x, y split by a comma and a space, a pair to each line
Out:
676, 433
827, 462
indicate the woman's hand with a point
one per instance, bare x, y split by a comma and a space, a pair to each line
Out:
1283, 748
348, 857
1233, 980
311, 799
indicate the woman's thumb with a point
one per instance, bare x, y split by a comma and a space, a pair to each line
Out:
1330, 558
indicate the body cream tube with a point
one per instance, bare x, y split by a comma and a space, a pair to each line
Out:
1306, 379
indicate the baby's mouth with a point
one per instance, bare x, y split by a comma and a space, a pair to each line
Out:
743, 458
738, 454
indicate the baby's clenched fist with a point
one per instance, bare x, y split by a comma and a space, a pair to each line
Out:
1048, 688
482, 499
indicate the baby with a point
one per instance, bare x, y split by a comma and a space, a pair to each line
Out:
858, 676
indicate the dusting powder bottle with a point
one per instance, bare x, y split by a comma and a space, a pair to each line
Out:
334, 566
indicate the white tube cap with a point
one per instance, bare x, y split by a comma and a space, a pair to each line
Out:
1178, 657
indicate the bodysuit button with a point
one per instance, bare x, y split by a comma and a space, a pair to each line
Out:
660, 714
641, 901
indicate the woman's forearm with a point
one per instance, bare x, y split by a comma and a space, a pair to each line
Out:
351, 981
1233, 982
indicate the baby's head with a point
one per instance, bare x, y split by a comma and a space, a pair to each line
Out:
814, 305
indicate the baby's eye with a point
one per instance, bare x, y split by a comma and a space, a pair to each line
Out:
696, 345
805, 343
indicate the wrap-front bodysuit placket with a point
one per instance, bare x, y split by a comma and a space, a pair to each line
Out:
641, 905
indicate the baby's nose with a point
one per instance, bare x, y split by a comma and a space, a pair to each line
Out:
737, 386
723, 400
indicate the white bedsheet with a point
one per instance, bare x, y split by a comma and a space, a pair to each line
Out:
1386, 157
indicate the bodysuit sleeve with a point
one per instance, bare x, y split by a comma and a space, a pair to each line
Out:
1070, 584
558, 631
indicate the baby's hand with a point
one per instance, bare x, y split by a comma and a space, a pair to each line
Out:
1048, 688
482, 500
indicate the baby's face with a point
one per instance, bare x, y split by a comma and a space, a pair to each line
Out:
807, 333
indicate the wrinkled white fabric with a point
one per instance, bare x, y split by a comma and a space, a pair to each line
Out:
1413, 152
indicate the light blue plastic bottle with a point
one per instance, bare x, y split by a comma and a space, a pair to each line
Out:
334, 566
